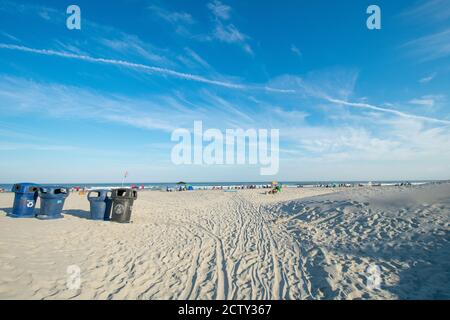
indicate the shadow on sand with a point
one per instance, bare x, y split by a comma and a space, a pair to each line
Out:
428, 275
82, 214
6, 210
425, 254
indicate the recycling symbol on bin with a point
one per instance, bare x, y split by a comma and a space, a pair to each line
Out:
119, 209
30, 203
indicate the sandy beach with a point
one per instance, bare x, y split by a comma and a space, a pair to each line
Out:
311, 243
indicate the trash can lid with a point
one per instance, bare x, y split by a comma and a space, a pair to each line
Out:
25, 187
54, 190
100, 194
124, 193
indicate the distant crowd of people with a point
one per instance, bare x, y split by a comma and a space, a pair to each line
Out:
240, 187
352, 185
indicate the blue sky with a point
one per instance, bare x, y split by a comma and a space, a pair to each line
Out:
351, 103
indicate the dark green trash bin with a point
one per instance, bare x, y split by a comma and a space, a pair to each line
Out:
122, 204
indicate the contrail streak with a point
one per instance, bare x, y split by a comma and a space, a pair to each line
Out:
127, 64
386, 110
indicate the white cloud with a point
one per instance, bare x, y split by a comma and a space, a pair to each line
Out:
13, 146
362, 139
101, 38
224, 31
60, 101
9, 36
296, 51
122, 63
426, 102
391, 111
220, 10
427, 78
197, 58
143, 68
45, 15
151, 112
230, 34
308, 88
333, 82
430, 47
429, 100
172, 17
130, 44
428, 10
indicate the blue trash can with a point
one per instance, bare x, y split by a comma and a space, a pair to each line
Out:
101, 202
25, 198
52, 202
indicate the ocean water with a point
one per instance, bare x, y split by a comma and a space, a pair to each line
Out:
199, 185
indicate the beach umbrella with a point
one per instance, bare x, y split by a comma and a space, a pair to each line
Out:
181, 182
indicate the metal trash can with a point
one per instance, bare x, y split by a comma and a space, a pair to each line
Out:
52, 202
122, 204
25, 198
101, 203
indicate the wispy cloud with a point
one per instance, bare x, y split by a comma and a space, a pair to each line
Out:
428, 10
100, 38
130, 44
391, 138
141, 67
13, 146
427, 78
424, 101
230, 34
220, 10
387, 110
225, 31
430, 47
301, 86
43, 12
150, 112
296, 51
60, 101
336, 86
9, 36
430, 100
197, 58
172, 17
122, 63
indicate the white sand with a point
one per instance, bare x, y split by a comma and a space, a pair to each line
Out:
244, 245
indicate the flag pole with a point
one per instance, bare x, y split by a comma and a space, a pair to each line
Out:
123, 178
